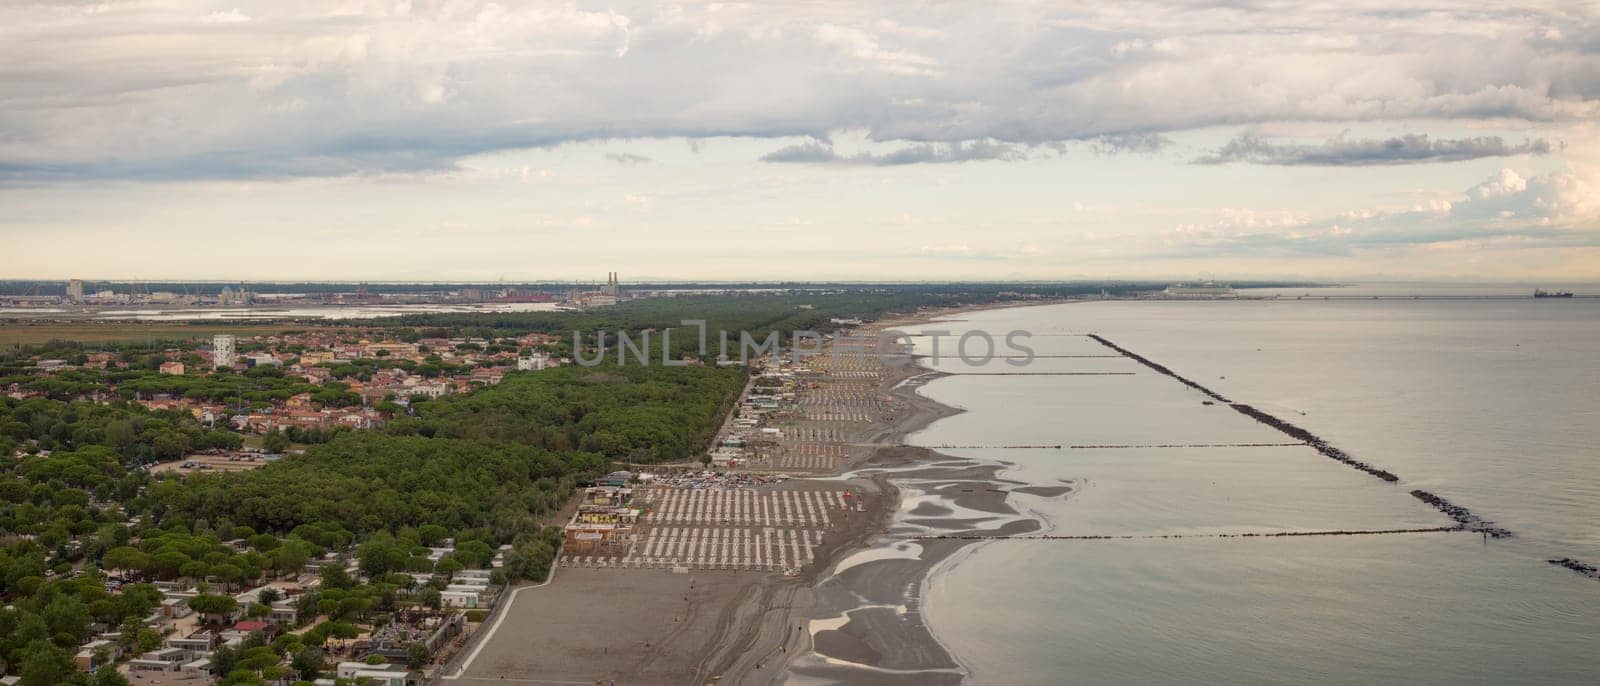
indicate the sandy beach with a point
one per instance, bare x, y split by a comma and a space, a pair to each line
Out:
858, 615
786, 635
853, 614
601, 626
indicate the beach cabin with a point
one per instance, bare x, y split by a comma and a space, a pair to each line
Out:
459, 599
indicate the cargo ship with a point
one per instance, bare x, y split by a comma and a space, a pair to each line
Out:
1552, 294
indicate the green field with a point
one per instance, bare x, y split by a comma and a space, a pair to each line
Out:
23, 333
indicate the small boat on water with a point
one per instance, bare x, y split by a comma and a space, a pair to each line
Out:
1541, 293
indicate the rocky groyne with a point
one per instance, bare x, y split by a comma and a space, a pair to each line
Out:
1295, 432
1462, 515
1585, 569
1311, 439
1159, 368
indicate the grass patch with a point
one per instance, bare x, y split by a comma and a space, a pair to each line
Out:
24, 333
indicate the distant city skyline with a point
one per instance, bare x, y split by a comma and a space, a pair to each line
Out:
480, 141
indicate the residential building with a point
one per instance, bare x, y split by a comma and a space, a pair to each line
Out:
262, 360
85, 658
311, 358
197, 642
392, 349
430, 390
222, 350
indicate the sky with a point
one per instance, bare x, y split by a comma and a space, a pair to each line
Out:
470, 140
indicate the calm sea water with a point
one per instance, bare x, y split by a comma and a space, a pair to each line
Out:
1494, 405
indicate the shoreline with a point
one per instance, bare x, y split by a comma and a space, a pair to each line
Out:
781, 638
857, 614
850, 631
852, 614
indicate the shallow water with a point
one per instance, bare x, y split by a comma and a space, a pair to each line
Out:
1491, 404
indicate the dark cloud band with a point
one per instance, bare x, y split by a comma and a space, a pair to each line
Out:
1358, 152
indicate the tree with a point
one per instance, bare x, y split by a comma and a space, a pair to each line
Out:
448, 566
67, 616
289, 557
241, 677
138, 600
432, 534
229, 573
430, 597
476, 554
261, 542
286, 644
171, 445
126, 558
275, 442
417, 656
213, 605
382, 554
307, 663
148, 640
43, 664
103, 658
320, 633
257, 658
254, 639
334, 576
120, 434
168, 563
531, 560
389, 407
224, 659
109, 676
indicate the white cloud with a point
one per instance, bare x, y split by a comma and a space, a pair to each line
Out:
243, 88
863, 46
1505, 183
1552, 210
228, 17
822, 152
944, 140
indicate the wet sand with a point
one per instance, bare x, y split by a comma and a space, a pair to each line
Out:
860, 614
762, 655
867, 625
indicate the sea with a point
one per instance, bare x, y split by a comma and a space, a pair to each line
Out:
1492, 403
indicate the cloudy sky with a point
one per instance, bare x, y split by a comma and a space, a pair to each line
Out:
459, 139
